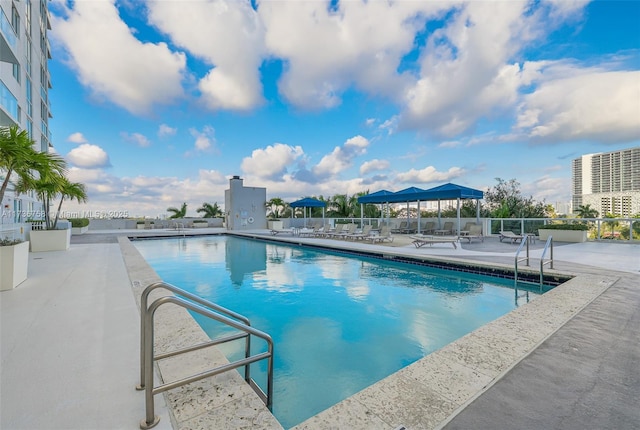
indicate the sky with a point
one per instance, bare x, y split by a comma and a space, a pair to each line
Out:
161, 102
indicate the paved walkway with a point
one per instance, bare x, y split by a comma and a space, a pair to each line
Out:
69, 347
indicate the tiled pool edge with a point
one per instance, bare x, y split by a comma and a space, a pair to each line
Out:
223, 401
420, 395
430, 392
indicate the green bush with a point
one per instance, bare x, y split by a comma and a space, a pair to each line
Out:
576, 226
79, 222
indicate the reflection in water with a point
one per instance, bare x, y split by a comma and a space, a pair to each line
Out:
339, 323
244, 258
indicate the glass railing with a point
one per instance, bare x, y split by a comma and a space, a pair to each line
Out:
8, 102
8, 32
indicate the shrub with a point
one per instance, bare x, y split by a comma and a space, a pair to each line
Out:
576, 226
10, 242
79, 222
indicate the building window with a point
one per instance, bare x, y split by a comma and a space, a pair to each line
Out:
27, 18
16, 72
15, 20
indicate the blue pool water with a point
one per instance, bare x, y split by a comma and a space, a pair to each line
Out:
339, 323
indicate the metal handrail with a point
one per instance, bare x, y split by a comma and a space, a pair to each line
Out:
548, 245
147, 354
144, 299
525, 240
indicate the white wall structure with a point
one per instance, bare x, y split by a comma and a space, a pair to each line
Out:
245, 206
24, 87
609, 182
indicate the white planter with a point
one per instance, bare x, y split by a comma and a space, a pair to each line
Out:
140, 226
200, 224
274, 225
79, 230
50, 240
563, 235
14, 263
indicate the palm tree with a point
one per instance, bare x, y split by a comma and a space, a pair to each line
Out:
210, 211
586, 211
72, 191
275, 207
48, 187
18, 156
178, 213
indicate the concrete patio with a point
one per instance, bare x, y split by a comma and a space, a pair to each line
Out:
70, 350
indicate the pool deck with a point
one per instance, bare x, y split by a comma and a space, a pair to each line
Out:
70, 349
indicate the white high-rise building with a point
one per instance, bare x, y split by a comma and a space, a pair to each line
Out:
608, 182
24, 84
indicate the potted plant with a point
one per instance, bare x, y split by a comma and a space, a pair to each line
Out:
79, 225
14, 262
565, 232
45, 174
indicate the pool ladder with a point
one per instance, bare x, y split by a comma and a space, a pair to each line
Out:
211, 310
547, 247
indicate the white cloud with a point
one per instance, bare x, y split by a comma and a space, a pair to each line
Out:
88, 156
205, 139
325, 51
429, 174
226, 34
465, 71
271, 162
119, 68
586, 105
342, 157
164, 130
76, 138
373, 166
136, 138
143, 195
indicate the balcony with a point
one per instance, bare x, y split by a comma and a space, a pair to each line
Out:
8, 41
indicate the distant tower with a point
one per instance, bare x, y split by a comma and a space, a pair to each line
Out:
608, 182
245, 206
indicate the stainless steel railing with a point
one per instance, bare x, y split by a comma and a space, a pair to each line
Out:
212, 311
548, 246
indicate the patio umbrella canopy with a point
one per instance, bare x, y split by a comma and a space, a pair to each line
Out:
447, 191
308, 202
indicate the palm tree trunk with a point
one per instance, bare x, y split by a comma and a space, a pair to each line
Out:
5, 183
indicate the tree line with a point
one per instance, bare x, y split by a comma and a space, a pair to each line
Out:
504, 200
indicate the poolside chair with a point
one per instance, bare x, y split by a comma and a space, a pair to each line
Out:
275, 232
401, 228
428, 227
384, 236
310, 232
344, 234
509, 235
359, 235
336, 231
420, 240
474, 231
412, 228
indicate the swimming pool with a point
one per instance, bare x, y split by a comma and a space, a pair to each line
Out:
339, 323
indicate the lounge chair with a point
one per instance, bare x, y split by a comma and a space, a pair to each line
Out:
509, 235
420, 240
446, 229
474, 231
359, 235
401, 228
277, 231
335, 232
344, 234
412, 228
310, 232
428, 227
384, 236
